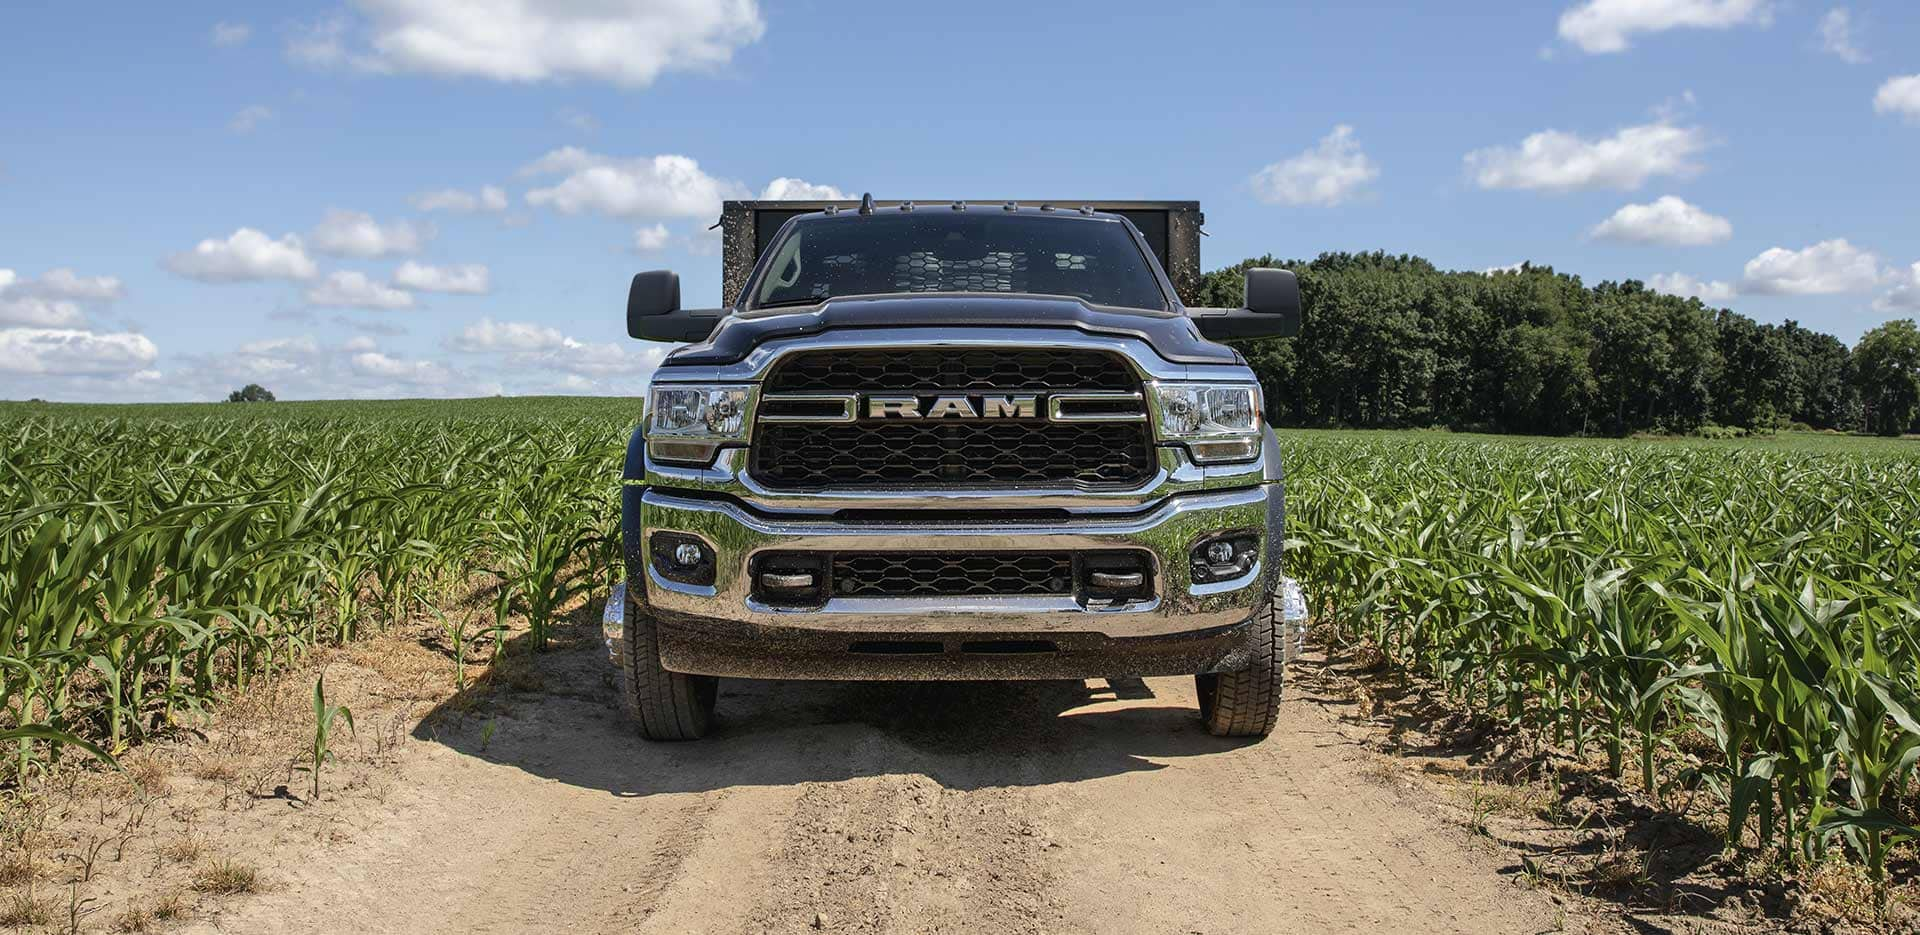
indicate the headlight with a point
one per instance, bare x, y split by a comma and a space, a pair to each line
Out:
687, 424
1217, 422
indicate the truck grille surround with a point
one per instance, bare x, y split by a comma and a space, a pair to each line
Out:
934, 453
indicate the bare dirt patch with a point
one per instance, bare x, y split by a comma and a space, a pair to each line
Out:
526, 803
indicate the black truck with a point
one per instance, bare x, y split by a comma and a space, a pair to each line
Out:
954, 440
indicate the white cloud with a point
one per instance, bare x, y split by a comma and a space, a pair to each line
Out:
39, 312
1836, 36
1599, 26
536, 357
1332, 172
786, 189
1509, 268
302, 367
73, 352
1681, 284
653, 187
249, 118
64, 283
245, 255
1552, 160
625, 42
650, 239
490, 199
426, 373
1668, 221
353, 289
53, 300
357, 234
1899, 96
1905, 295
1830, 266
230, 33
466, 279
506, 336
304, 345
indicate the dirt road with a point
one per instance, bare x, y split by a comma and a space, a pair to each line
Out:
1040, 807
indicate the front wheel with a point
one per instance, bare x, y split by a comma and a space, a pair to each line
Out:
1245, 703
666, 705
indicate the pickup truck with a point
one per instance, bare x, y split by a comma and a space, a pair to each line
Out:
954, 440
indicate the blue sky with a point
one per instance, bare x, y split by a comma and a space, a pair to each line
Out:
431, 198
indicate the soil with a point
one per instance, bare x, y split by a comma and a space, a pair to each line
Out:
527, 804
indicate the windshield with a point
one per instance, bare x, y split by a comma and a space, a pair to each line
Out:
939, 250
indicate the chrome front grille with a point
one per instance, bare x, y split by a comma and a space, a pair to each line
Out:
942, 417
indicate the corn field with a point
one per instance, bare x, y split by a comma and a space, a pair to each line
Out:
1735, 620
147, 566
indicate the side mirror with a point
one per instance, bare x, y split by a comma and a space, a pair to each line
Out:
1275, 292
654, 312
653, 294
1273, 309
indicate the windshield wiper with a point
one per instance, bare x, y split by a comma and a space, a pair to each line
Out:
781, 303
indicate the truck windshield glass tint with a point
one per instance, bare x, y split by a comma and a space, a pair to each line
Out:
940, 250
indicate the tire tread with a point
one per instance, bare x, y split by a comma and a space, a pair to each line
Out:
1246, 703
666, 705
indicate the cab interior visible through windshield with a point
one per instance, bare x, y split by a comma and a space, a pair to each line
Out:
1093, 259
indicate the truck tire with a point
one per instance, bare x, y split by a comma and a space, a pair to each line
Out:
1246, 703
666, 705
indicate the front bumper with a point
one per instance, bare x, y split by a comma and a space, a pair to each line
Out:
1184, 627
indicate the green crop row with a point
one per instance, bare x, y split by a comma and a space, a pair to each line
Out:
147, 565
1733, 619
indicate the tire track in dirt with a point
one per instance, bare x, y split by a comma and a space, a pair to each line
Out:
883, 808
903, 854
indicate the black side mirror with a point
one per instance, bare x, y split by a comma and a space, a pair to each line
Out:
1275, 292
654, 312
653, 294
1273, 309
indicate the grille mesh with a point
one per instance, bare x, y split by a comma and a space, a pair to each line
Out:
952, 454
942, 574
937, 453
950, 369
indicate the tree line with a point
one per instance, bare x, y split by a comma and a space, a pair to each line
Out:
1394, 342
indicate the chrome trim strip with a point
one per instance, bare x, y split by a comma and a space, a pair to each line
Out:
1139, 354
849, 407
1057, 400
1177, 474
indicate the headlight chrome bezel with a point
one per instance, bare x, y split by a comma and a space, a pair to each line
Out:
1218, 423
688, 423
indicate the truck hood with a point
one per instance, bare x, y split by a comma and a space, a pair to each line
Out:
1171, 334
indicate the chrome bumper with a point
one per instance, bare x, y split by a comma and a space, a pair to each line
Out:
1179, 605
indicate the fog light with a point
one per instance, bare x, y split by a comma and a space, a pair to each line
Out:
1224, 557
682, 558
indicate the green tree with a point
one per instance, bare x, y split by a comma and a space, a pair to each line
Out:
251, 393
1819, 390
1886, 365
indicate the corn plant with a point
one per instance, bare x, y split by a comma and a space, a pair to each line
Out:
324, 715
1627, 594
